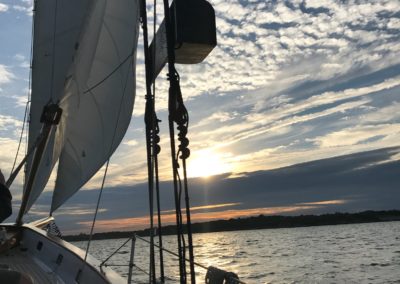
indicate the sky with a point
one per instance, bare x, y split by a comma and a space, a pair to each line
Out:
297, 110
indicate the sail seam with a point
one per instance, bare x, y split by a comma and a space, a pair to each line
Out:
109, 75
54, 51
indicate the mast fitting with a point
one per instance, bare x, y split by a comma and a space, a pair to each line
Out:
51, 114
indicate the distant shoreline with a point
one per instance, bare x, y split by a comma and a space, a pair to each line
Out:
259, 222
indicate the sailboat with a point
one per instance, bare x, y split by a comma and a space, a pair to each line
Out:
83, 93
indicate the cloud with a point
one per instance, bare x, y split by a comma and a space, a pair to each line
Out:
25, 6
356, 135
327, 202
131, 142
7, 152
205, 207
3, 7
350, 183
9, 124
379, 115
264, 39
289, 82
23, 62
279, 67
5, 75
19, 57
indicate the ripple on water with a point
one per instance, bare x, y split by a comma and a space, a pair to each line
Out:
375, 264
330, 261
260, 275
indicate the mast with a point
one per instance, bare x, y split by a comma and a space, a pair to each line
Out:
50, 118
186, 36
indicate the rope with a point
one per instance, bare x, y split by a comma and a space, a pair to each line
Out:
20, 137
181, 247
171, 106
179, 115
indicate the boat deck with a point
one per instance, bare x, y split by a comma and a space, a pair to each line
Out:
29, 255
23, 262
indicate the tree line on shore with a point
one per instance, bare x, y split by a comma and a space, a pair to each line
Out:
259, 222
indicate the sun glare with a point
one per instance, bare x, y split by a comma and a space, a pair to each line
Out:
207, 163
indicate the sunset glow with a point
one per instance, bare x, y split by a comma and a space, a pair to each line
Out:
207, 163
142, 222
295, 111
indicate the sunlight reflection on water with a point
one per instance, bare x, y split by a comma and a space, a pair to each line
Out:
356, 253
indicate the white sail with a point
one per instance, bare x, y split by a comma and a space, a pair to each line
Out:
99, 95
57, 27
93, 73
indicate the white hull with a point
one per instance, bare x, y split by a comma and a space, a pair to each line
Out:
42, 258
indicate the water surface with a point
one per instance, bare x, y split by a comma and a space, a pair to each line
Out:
354, 253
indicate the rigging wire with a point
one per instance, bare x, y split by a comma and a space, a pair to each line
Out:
151, 123
30, 84
27, 108
29, 152
136, 237
160, 235
157, 149
175, 254
20, 137
96, 210
108, 161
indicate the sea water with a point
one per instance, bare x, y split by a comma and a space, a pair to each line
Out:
354, 253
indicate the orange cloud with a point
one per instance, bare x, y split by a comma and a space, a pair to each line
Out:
327, 202
199, 208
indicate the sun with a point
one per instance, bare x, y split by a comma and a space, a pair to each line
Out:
207, 163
